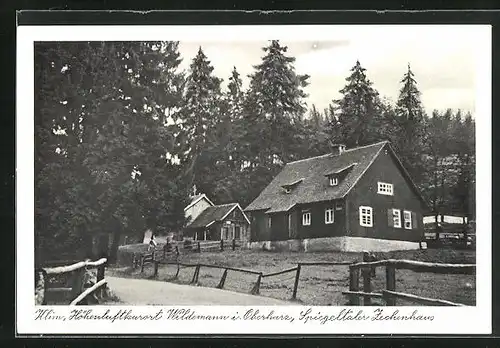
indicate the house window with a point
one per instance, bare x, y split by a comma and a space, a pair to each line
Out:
396, 218
306, 219
366, 216
407, 219
334, 181
338, 205
329, 216
385, 188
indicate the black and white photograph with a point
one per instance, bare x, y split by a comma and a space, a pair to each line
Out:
302, 171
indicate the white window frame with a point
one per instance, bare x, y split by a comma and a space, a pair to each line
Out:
269, 222
407, 219
329, 215
385, 188
396, 217
366, 216
306, 218
334, 181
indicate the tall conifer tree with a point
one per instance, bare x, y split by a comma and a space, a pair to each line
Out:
409, 126
358, 111
273, 107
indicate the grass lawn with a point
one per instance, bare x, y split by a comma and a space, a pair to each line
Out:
320, 285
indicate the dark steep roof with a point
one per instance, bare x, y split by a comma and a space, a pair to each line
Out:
314, 187
214, 214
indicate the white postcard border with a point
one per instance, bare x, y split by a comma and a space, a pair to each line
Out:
466, 320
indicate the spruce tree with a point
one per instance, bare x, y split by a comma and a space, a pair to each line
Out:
408, 138
277, 98
314, 134
274, 107
358, 111
226, 176
200, 117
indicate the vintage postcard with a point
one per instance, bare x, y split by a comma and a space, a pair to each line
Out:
308, 179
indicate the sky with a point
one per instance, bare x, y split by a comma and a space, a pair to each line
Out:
444, 62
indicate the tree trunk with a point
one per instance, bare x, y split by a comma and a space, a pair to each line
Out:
115, 242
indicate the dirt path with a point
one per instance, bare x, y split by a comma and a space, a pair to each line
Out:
152, 292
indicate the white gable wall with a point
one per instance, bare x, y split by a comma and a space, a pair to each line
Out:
196, 209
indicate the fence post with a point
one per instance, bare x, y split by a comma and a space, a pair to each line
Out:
370, 258
222, 245
142, 263
153, 256
195, 275
390, 274
77, 283
199, 247
164, 251
367, 286
354, 285
256, 288
100, 276
155, 274
222, 280
178, 269
234, 244
296, 284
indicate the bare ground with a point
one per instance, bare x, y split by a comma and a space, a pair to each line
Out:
149, 292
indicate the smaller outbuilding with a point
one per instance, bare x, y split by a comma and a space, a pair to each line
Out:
219, 222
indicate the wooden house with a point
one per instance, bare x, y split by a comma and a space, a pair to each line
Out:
362, 194
216, 222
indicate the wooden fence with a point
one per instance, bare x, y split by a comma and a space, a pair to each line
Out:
153, 257
389, 295
76, 286
260, 275
216, 245
161, 255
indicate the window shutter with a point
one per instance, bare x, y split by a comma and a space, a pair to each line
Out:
390, 219
414, 220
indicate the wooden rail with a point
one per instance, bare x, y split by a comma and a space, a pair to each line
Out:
160, 255
260, 275
198, 246
361, 293
419, 299
327, 263
293, 269
77, 273
418, 266
88, 292
367, 270
75, 266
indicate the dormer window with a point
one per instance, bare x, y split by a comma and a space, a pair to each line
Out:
289, 187
334, 181
338, 174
